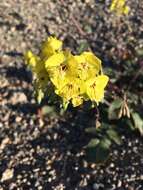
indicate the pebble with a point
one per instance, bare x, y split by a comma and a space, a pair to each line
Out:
18, 119
112, 165
30, 163
4, 143
7, 174
119, 183
97, 186
18, 98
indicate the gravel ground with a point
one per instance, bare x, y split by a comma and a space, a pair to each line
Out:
46, 152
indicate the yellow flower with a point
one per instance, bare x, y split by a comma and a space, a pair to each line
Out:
58, 67
31, 59
119, 6
95, 87
58, 81
126, 10
92, 60
68, 90
51, 46
88, 65
58, 75
71, 90
34, 62
40, 73
73, 78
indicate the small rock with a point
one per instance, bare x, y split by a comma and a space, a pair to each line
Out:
18, 119
18, 98
4, 143
112, 165
119, 183
129, 144
141, 177
97, 186
8, 174
83, 182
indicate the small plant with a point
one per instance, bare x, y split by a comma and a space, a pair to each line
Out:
75, 79
69, 78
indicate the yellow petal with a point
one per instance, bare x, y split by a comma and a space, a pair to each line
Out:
93, 60
95, 94
95, 87
87, 65
101, 81
30, 58
50, 47
58, 82
55, 60
126, 10
80, 58
76, 101
54, 43
119, 6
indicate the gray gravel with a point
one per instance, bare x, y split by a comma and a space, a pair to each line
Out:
46, 152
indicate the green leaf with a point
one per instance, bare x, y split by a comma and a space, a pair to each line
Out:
100, 152
88, 28
105, 125
129, 123
138, 122
91, 130
49, 110
114, 109
40, 95
93, 143
91, 154
105, 142
82, 47
65, 105
113, 135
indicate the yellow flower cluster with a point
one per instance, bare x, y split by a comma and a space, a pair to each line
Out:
119, 7
75, 78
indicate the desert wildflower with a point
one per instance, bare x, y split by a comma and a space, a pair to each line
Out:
74, 78
119, 7
88, 65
